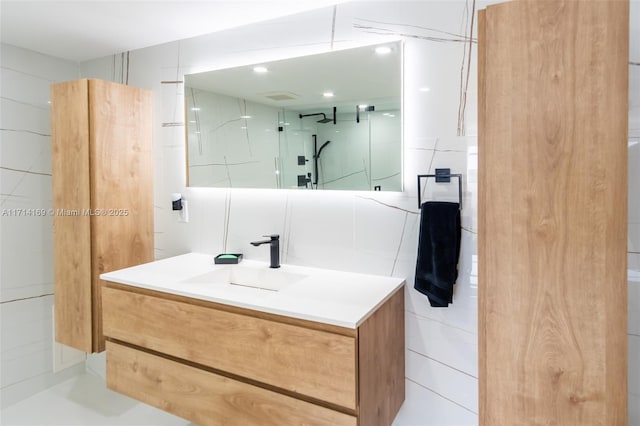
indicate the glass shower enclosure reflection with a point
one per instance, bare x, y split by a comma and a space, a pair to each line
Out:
361, 151
244, 144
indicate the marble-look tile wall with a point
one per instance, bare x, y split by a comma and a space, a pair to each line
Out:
371, 232
365, 232
355, 231
26, 274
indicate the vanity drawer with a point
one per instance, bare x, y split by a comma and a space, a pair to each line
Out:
206, 398
315, 363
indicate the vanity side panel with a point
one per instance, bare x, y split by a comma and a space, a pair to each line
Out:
121, 183
71, 197
207, 398
306, 362
381, 364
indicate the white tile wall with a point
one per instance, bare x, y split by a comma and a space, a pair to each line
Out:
355, 231
450, 383
26, 275
26, 339
423, 407
363, 232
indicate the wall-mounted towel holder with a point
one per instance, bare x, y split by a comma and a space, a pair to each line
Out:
442, 175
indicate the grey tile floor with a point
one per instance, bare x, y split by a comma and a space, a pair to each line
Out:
85, 401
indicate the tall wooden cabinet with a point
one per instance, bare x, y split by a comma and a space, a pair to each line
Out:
553, 108
102, 198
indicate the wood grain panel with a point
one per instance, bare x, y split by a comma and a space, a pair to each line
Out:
314, 363
71, 197
121, 183
381, 363
482, 210
206, 398
553, 183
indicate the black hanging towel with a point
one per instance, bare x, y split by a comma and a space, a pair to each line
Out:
438, 251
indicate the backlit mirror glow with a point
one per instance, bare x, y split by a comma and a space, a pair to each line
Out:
325, 121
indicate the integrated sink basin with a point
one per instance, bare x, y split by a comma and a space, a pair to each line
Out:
262, 278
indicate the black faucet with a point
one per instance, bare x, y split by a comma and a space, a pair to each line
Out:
274, 242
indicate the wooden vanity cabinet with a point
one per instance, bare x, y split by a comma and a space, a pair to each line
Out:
215, 364
102, 197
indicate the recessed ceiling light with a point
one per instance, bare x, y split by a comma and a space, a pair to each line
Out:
328, 94
260, 69
245, 116
425, 89
383, 50
195, 109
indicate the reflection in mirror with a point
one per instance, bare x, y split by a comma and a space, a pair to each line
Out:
327, 121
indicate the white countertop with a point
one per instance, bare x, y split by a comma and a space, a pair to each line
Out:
332, 297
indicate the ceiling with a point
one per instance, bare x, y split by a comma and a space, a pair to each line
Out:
87, 29
81, 30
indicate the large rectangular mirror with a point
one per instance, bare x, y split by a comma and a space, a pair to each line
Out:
326, 121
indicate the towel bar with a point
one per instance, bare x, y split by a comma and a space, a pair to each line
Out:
442, 175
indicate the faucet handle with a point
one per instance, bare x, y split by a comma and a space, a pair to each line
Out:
273, 236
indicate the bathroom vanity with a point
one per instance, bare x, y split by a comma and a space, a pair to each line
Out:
248, 345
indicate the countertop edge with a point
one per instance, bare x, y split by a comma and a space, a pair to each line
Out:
348, 311
260, 308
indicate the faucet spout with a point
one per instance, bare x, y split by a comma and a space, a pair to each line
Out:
274, 244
